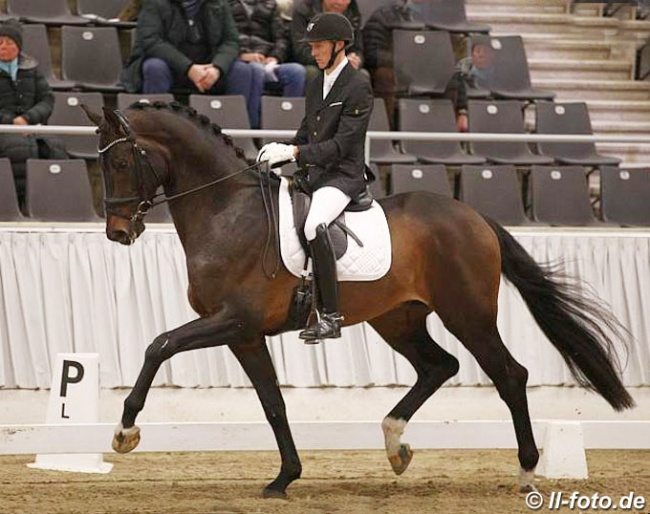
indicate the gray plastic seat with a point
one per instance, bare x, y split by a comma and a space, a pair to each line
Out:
229, 112
625, 195
67, 111
282, 113
560, 196
9, 209
59, 190
37, 44
432, 116
569, 118
382, 151
367, 7
104, 12
511, 74
494, 191
91, 58
502, 117
450, 15
50, 12
424, 61
124, 100
426, 177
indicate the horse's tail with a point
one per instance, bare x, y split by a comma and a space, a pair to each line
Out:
581, 330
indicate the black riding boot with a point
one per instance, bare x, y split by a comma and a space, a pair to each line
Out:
324, 267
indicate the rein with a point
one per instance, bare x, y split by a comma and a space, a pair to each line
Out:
145, 205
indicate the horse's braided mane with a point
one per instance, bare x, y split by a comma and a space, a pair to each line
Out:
199, 119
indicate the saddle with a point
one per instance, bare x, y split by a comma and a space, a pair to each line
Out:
301, 194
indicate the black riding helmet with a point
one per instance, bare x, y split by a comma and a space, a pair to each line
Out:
330, 26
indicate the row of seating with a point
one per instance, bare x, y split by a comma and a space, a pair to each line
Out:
59, 190
57, 12
557, 196
485, 116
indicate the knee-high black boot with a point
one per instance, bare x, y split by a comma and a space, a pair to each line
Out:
324, 267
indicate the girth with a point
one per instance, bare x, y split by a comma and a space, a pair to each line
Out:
301, 200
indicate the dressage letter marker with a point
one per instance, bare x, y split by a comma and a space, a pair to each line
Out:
74, 398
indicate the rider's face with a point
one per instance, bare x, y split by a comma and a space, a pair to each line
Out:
339, 6
321, 51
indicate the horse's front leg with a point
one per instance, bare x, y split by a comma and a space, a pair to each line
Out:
222, 328
257, 364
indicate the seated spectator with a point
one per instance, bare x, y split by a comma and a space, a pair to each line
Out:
477, 71
378, 51
189, 45
25, 99
264, 46
304, 11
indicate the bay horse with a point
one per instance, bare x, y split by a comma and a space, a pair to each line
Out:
446, 258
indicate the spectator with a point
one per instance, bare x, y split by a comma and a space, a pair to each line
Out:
378, 51
191, 45
285, 8
304, 11
25, 99
477, 71
264, 46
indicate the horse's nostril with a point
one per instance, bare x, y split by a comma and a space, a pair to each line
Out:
119, 236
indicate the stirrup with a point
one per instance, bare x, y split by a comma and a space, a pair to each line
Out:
327, 326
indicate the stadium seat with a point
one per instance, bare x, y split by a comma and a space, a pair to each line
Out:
37, 44
625, 195
80, 47
104, 12
382, 151
50, 12
494, 191
229, 112
511, 78
569, 118
560, 196
9, 210
59, 190
367, 7
427, 177
281, 113
450, 15
432, 116
412, 49
504, 117
124, 100
67, 111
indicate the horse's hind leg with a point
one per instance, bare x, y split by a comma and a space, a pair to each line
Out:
257, 364
480, 335
405, 330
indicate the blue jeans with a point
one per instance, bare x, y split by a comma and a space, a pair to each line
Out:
291, 78
241, 79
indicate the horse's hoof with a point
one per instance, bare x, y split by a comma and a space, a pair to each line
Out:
401, 461
527, 488
274, 493
126, 439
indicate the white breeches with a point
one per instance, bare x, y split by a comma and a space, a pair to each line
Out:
326, 204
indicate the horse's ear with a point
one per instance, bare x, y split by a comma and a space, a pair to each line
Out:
112, 119
94, 117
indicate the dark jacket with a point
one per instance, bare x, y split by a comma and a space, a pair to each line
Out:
303, 12
332, 135
29, 96
163, 28
263, 30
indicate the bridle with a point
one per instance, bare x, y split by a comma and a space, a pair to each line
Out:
144, 204
141, 160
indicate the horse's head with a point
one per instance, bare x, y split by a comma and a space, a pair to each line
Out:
130, 178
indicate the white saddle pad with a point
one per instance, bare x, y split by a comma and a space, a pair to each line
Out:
370, 262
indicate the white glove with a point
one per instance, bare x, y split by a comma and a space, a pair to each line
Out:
276, 154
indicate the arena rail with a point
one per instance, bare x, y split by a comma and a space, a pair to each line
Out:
321, 435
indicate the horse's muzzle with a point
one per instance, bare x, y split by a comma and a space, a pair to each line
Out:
121, 236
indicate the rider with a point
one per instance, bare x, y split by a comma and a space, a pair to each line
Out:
329, 148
